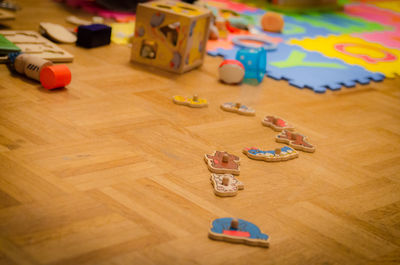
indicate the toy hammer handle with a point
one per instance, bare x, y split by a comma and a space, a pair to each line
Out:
30, 65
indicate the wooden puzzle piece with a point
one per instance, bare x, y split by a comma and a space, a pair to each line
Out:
225, 185
221, 162
276, 123
279, 154
295, 140
237, 231
238, 108
57, 32
194, 102
31, 42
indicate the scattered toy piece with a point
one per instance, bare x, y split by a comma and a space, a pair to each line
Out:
56, 32
231, 72
272, 22
238, 108
276, 123
175, 33
221, 162
30, 65
295, 140
194, 102
254, 61
55, 76
225, 185
237, 231
279, 154
77, 21
31, 42
50, 76
94, 35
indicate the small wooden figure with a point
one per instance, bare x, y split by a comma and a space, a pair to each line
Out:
279, 154
194, 102
238, 108
295, 140
170, 35
56, 32
225, 185
231, 72
237, 231
221, 162
276, 123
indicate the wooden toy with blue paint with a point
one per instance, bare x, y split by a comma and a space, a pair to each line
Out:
170, 35
238, 108
237, 231
279, 154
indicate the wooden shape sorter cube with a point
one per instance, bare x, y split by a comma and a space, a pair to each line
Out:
170, 35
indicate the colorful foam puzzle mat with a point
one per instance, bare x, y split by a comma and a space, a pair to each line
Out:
325, 51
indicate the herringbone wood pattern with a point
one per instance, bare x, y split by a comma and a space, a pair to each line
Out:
110, 171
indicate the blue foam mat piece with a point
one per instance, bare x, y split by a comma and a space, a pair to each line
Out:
305, 69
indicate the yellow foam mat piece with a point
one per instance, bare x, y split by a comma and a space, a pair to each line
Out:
352, 50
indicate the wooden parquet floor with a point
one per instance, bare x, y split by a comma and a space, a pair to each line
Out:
110, 171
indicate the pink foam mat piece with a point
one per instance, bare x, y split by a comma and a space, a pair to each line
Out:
390, 39
373, 13
91, 7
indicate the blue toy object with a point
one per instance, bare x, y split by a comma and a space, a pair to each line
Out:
225, 229
305, 69
94, 35
254, 62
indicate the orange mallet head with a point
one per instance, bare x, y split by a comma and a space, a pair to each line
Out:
55, 76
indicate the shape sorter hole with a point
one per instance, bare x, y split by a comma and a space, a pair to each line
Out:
171, 32
148, 49
164, 6
187, 8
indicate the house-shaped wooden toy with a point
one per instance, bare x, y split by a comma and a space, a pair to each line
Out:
170, 35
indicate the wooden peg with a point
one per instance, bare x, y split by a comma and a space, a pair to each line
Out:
237, 105
225, 181
195, 97
277, 151
235, 223
225, 158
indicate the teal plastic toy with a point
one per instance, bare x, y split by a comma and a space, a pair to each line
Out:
254, 61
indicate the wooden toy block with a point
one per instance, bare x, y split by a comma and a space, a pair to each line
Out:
94, 35
276, 123
194, 102
238, 108
56, 32
170, 35
30, 42
237, 231
279, 154
225, 185
295, 140
221, 162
